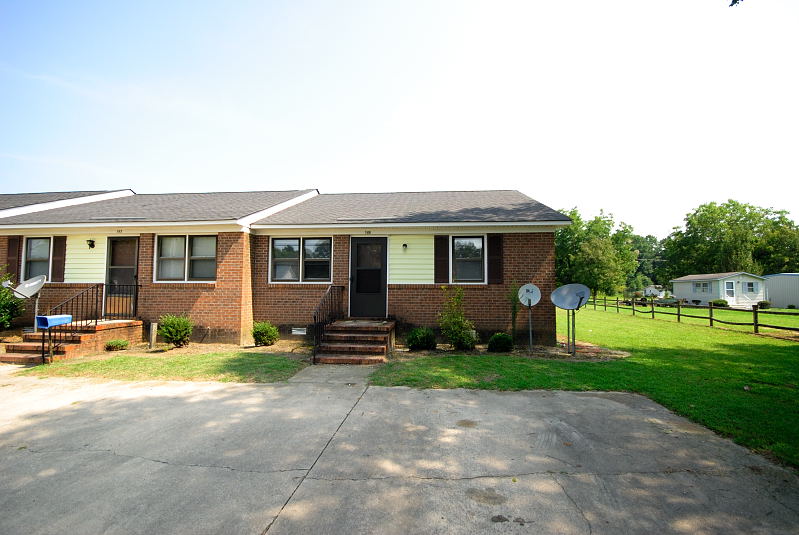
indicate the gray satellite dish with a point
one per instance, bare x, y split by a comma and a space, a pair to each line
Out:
529, 295
28, 288
570, 297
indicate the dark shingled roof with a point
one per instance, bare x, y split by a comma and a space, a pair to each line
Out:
495, 206
161, 207
712, 276
15, 200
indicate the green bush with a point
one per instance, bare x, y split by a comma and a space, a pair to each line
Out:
719, 303
175, 330
458, 330
421, 338
792, 307
264, 333
116, 345
763, 304
500, 343
10, 307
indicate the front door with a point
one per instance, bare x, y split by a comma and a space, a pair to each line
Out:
368, 276
729, 291
121, 278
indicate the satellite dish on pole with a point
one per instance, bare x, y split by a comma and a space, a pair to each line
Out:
570, 297
27, 289
529, 295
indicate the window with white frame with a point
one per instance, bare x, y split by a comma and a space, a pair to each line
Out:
702, 287
750, 287
468, 259
37, 257
301, 259
186, 258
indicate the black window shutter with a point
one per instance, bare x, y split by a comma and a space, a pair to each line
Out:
495, 259
59, 258
12, 267
441, 262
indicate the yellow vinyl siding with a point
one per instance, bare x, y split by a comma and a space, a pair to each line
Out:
411, 265
84, 264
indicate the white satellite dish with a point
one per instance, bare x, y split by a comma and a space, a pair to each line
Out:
28, 288
570, 297
529, 295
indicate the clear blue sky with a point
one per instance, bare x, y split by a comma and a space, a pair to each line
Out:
618, 105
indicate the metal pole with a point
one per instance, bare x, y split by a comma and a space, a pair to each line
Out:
530, 326
568, 331
574, 333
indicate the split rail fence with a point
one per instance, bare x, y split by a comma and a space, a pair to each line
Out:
678, 309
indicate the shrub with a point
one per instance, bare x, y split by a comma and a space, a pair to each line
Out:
719, 303
500, 343
695, 301
175, 330
116, 345
792, 307
264, 333
10, 307
458, 330
421, 338
763, 304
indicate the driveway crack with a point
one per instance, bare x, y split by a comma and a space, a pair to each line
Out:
574, 503
304, 477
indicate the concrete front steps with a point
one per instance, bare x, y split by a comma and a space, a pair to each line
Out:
88, 339
356, 341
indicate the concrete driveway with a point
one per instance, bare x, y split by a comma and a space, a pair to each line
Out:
325, 454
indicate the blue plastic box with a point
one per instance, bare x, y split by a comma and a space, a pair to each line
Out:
45, 322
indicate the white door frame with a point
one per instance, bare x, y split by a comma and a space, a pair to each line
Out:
730, 298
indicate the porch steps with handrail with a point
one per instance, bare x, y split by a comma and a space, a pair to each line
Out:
356, 341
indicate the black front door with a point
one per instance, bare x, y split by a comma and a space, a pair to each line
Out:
121, 277
368, 276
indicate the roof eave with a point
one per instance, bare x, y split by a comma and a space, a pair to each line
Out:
417, 224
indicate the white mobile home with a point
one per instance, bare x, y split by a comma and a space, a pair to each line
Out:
739, 289
783, 289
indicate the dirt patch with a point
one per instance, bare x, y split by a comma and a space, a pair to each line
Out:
585, 352
11, 336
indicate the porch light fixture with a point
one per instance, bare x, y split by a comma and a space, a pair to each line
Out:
90, 243
404, 245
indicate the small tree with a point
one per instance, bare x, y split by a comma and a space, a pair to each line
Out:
513, 300
10, 306
452, 320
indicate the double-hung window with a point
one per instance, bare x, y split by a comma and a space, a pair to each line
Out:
468, 259
37, 257
751, 287
701, 287
301, 259
186, 258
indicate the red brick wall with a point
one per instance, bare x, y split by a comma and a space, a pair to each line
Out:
55, 293
218, 309
526, 258
3, 254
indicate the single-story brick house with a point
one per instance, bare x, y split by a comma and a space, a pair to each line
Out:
228, 259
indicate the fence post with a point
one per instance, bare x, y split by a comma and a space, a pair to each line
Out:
754, 319
679, 309
633, 304
594, 302
605, 302
652, 303
617, 305
710, 312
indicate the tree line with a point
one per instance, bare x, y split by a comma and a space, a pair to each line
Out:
609, 257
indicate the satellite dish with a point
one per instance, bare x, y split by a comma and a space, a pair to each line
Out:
529, 295
28, 288
571, 296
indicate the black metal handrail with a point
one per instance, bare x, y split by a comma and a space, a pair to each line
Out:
121, 301
85, 309
327, 311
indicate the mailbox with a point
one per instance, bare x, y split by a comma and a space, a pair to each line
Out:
45, 322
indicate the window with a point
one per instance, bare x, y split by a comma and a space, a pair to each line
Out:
186, 258
702, 287
37, 257
301, 259
729, 289
468, 259
751, 287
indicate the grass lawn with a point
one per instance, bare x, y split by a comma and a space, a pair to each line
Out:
696, 371
231, 366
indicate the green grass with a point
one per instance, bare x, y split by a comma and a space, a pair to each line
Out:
226, 367
696, 371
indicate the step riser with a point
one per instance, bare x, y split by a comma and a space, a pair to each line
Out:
382, 339
349, 359
350, 348
33, 348
36, 338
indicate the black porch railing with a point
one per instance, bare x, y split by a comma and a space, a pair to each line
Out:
327, 311
85, 308
120, 301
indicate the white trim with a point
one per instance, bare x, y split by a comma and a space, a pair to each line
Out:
185, 258
121, 223
246, 221
302, 253
23, 268
63, 203
428, 224
452, 280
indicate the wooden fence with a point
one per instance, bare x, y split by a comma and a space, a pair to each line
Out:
650, 307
